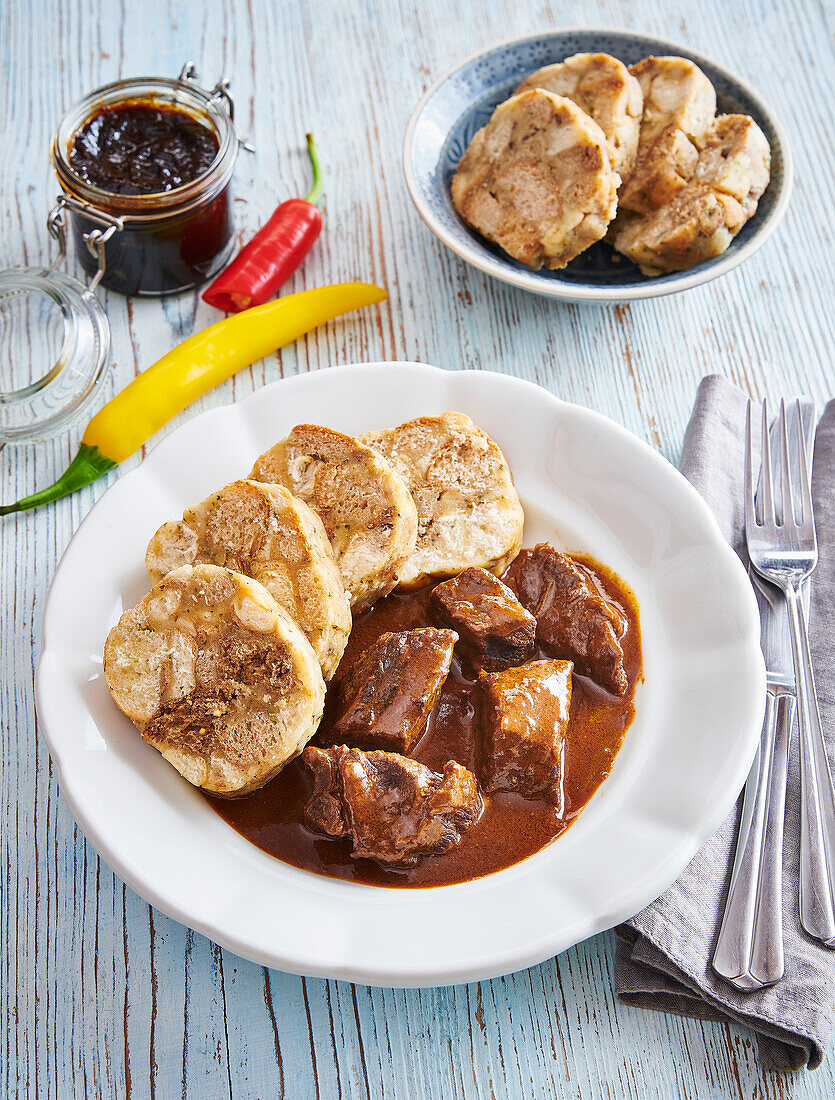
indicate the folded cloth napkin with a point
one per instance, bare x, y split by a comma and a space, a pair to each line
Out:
663, 957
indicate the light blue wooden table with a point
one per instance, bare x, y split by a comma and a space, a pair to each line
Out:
100, 995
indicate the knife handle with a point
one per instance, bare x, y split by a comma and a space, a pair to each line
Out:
749, 950
817, 794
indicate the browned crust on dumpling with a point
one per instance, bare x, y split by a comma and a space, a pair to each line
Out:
216, 677
366, 508
538, 180
264, 532
604, 88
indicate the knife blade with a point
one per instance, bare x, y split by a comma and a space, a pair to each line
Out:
775, 641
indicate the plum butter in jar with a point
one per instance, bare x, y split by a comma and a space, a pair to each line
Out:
148, 163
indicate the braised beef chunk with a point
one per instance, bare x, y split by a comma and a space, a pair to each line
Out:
574, 621
496, 631
394, 809
385, 700
526, 715
323, 809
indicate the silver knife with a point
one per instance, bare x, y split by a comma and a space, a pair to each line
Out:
749, 950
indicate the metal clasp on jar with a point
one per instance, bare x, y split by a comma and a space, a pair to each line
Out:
95, 239
220, 93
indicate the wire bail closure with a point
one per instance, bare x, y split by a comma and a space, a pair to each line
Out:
219, 94
95, 239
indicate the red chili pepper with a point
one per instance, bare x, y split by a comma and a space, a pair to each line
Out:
274, 252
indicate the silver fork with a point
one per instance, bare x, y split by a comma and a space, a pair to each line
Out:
749, 948
786, 553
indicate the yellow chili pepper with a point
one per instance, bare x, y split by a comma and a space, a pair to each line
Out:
190, 370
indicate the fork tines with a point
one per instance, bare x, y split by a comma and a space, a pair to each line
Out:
791, 509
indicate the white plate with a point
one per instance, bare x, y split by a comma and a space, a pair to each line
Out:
585, 483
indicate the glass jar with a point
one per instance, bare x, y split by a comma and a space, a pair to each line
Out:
161, 243
151, 244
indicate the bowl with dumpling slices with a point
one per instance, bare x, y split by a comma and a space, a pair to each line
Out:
597, 165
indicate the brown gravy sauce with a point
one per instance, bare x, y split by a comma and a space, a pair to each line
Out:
511, 827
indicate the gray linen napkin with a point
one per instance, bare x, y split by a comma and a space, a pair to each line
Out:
663, 957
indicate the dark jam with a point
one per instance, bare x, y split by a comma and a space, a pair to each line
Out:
511, 827
141, 154
142, 149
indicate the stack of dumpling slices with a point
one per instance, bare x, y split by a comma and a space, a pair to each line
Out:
222, 666
589, 148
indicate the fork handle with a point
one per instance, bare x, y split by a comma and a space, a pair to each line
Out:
749, 950
817, 794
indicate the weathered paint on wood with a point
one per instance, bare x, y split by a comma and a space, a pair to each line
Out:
101, 995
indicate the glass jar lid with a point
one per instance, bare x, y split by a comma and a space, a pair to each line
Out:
40, 395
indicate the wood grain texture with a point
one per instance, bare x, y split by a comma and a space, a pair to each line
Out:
101, 996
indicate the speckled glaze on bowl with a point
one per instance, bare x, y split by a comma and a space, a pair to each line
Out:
461, 102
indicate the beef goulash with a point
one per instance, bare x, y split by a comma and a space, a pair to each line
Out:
573, 619
477, 692
527, 711
386, 698
494, 628
539, 737
393, 808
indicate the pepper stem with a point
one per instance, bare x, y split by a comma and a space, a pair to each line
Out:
315, 192
87, 466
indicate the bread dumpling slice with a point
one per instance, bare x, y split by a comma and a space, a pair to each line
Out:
216, 677
264, 532
679, 106
605, 89
730, 175
364, 504
469, 513
538, 180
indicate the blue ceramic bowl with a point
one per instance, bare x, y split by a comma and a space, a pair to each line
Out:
457, 105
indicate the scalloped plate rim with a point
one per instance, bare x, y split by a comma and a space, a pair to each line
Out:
420, 973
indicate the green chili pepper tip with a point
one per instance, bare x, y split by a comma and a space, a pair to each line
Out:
87, 466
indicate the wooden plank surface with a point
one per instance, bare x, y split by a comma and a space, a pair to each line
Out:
100, 995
